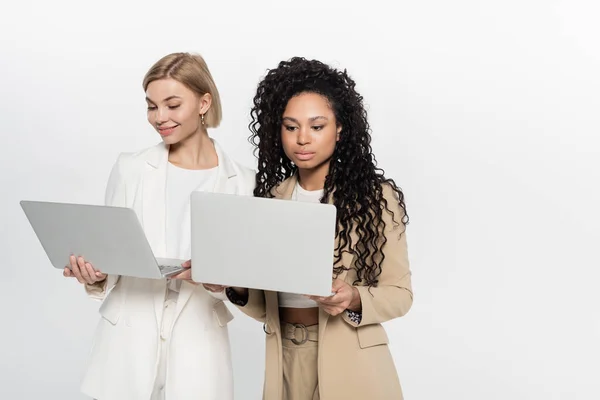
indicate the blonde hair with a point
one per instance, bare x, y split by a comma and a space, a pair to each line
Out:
192, 71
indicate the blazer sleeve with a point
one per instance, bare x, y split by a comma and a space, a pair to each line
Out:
218, 295
254, 306
393, 296
115, 195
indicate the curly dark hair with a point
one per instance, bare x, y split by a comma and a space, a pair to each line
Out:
353, 171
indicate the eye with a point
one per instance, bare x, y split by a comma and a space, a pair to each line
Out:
318, 127
174, 107
290, 128
151, 108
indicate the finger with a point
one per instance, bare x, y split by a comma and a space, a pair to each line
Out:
186, 275
84, 272
213, 288
176, 276
338, 284
329, 310
67, 272
75, 270
335, 311
326, 301
72, 262
319, 300
91, 273
97, 274
333, 301
187, 264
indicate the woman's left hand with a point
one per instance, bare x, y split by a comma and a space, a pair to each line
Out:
344, 297
186, 274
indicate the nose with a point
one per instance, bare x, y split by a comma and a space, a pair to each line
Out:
161, 115
303, 137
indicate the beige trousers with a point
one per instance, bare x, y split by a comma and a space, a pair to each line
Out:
300, 349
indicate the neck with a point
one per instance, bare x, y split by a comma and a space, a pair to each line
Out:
195, 152
314, 178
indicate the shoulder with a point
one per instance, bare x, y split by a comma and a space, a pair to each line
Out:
393, 203
245, 173
243, 177
389, 193
130, 164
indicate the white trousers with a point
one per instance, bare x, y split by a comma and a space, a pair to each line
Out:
169, 309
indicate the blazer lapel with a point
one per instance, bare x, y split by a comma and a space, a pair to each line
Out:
154, 198
153, 210
285, 190
346, 261
226, 171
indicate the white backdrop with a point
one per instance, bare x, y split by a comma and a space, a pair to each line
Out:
486, 113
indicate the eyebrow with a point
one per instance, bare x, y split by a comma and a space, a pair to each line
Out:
167, 99
312, 119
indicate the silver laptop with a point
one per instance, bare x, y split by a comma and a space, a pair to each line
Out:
110, 238
260, 243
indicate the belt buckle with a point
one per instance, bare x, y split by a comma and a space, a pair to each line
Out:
265, 329
304, 334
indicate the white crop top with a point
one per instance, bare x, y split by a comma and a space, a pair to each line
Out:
292, 300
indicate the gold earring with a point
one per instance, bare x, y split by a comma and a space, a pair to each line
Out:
202, 118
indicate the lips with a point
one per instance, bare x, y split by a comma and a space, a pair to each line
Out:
167, 130
304, 156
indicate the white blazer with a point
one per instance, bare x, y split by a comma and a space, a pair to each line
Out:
125, 352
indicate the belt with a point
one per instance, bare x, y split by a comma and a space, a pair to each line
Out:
298, 333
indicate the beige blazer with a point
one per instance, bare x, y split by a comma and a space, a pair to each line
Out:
354, 361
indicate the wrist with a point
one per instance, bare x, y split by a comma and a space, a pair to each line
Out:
99, 283
355, 304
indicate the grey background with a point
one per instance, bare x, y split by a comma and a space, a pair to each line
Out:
486, 113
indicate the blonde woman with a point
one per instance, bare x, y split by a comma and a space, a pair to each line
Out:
165, 339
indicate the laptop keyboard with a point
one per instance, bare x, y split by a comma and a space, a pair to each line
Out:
169, 266
166, 269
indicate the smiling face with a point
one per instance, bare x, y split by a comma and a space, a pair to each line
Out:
174, 110
309, 131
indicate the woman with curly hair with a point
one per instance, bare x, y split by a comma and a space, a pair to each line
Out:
312, 137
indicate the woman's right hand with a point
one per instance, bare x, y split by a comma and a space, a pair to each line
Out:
83, 271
